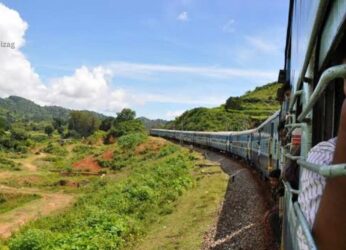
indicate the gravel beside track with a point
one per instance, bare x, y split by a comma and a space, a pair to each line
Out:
240, 220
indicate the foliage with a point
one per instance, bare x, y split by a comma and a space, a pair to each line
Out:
83, 122
149, 124
19, 134
8, 164
125, 115
238, 113
16, 108
124, 128
113, 215
106, 124
9, 201
53, 148
233, 103
130, 141
49, 130
58, 122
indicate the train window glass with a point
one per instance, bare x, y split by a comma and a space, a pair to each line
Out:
339, 98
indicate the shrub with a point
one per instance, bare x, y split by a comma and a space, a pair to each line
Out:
131, 141
19, 134
8, 164
52, 148
32, 239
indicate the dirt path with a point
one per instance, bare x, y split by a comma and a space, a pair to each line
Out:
28, 162
12, 220
240, 222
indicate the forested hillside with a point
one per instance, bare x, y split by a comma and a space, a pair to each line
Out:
20, 108
238, 113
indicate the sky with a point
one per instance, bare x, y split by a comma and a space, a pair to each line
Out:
158, 57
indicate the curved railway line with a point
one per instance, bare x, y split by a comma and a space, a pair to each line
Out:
242, 211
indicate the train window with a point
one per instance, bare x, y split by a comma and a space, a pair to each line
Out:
326, 113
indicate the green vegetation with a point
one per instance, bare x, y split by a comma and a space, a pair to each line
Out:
112, 214
192, 215
238, 113
131, 191
9, 201
82, 123
6, 164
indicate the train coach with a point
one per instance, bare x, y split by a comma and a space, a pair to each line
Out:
259, 146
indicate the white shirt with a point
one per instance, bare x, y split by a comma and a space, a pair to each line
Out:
311, 183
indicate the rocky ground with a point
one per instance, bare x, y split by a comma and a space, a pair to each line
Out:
240, 223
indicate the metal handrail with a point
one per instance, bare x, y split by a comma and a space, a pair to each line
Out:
325, 170
292, 157
304, 224
327, 77
289, 188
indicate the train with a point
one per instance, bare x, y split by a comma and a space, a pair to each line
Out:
310, 98
258, 146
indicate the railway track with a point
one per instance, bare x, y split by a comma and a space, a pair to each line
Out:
240, 220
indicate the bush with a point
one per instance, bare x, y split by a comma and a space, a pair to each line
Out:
19, 134
55, 149
8, 164
127, 127
82, 149
131, 141
32, 239
39, 137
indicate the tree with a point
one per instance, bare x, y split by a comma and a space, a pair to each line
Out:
83, 122
58, 122
106, 124
125, 115
19, 134
233, 103
124, 128
49, 130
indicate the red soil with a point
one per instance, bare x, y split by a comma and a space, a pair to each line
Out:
87, 164
153, 144
108, 155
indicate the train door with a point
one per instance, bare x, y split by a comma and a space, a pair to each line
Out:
270, 147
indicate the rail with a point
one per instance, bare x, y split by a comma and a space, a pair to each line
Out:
325, 170
305, 227
327, 77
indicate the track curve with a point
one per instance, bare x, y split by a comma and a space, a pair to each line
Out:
240, 221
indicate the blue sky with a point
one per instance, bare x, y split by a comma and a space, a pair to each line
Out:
157, 57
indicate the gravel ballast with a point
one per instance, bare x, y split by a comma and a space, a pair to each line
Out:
240, 221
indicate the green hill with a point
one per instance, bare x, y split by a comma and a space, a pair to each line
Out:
238, 113
19, 108
149, 124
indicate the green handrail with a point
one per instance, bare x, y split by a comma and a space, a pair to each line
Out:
325, 170
327, 77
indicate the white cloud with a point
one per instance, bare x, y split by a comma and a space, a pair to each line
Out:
91, 87
262, 44
183, 16
228, 27
130, 69
173, 114
87, 88
16, 73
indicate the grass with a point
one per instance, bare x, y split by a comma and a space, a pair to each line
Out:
149, 183
192, 216
9, 201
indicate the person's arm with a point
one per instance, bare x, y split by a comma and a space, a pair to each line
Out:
329, 229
